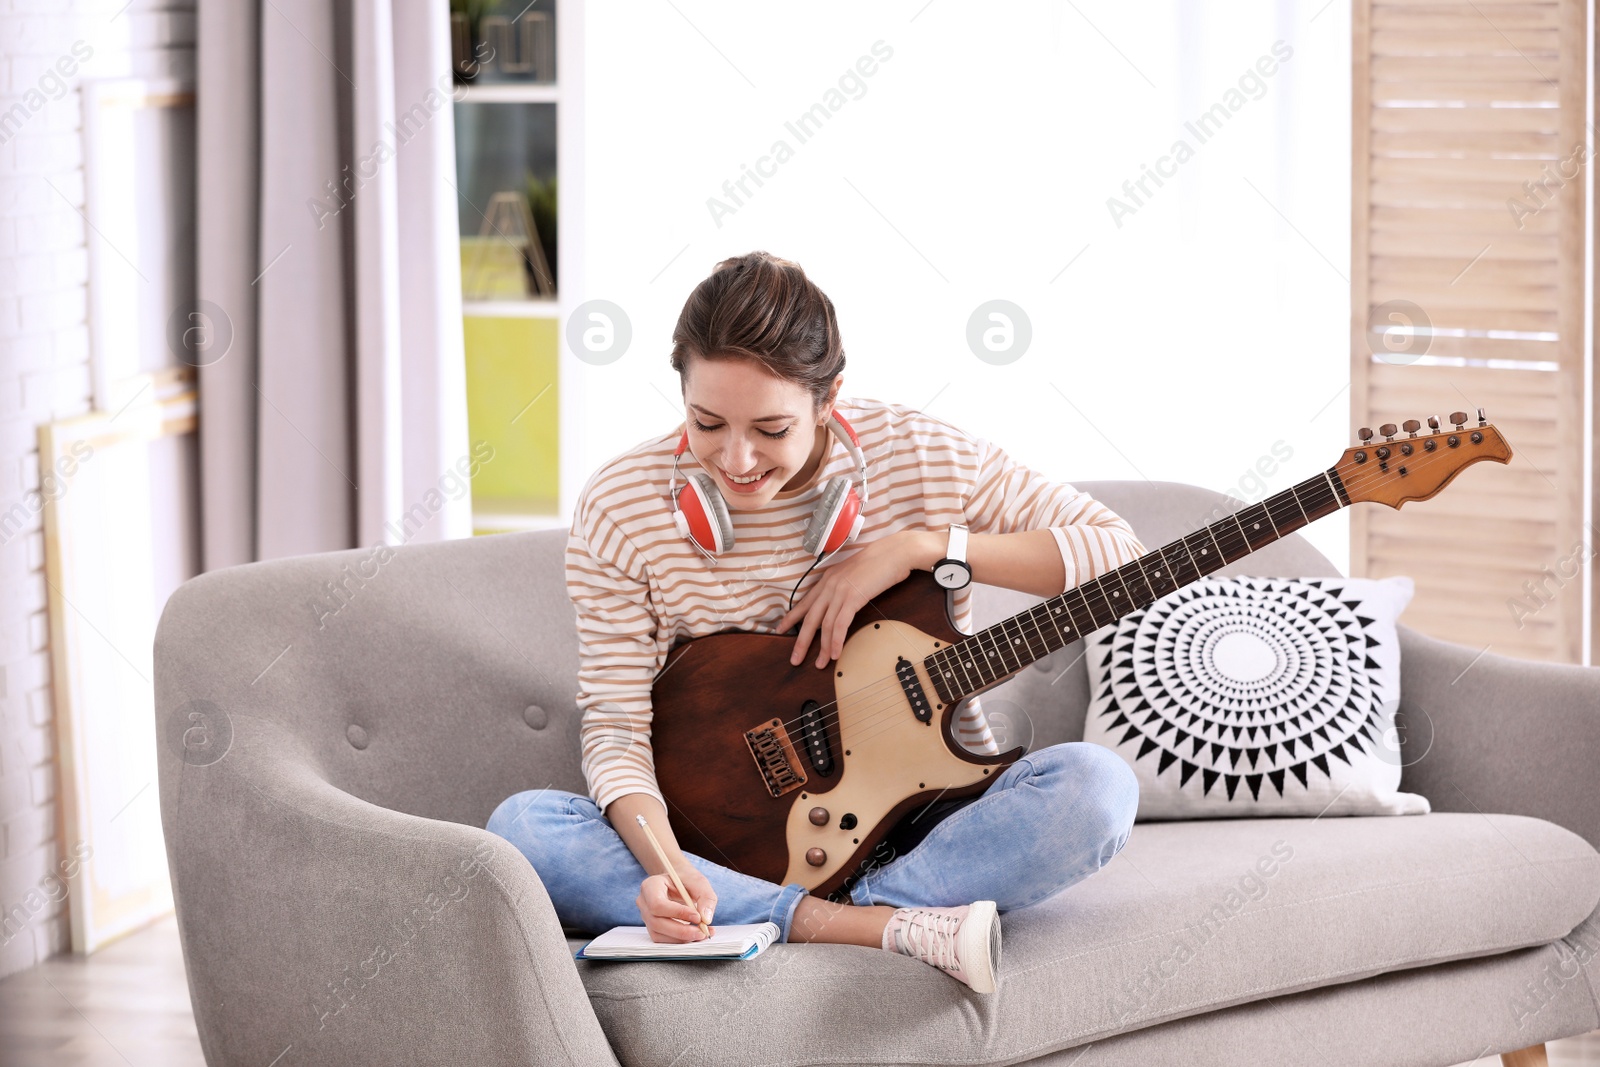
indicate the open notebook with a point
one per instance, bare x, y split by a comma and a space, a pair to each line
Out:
727, 942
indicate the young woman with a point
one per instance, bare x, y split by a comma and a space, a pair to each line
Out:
758, 353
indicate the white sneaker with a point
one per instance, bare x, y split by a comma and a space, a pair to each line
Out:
963, 942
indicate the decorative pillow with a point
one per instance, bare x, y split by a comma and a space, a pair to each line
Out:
1256, 696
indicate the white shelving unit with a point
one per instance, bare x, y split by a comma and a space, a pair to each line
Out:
513, 94
518, 309
570, 252
567, 96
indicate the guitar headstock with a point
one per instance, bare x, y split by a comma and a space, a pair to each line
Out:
1416, 466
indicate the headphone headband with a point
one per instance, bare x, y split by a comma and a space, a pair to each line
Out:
841, 428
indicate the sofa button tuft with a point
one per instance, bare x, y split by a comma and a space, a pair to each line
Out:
535, 717
356, 735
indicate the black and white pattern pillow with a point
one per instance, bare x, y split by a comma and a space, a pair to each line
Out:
1256, 696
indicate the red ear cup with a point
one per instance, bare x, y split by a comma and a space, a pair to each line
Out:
702, 515
837, 517
833, 520
847, 525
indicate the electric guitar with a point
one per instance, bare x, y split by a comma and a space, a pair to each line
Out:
840, 756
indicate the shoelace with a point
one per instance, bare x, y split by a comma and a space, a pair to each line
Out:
931, 936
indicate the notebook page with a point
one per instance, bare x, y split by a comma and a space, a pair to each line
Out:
727, 939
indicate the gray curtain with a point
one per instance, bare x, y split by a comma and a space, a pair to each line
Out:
327, 245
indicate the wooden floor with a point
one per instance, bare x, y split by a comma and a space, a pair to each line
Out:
1574, 1052
128, 1006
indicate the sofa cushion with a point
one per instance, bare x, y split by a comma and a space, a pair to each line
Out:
1256, 696
1189, 917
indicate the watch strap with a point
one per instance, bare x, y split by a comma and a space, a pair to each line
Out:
956, 548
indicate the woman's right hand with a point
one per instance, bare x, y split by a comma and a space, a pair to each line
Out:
662, 908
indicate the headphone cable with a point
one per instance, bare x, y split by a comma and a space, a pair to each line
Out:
802, 578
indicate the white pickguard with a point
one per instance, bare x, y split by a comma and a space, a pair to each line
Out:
887, 756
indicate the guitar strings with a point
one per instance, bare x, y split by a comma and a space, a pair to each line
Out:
888, 705
889, 709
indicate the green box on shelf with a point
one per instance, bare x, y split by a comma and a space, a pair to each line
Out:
513, 403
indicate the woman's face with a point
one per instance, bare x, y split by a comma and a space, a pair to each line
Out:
752, 430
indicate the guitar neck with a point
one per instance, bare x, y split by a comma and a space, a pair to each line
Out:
992, 655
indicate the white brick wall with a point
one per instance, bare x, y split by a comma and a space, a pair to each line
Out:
44, 375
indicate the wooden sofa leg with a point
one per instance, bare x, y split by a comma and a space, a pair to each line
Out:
1532, 1056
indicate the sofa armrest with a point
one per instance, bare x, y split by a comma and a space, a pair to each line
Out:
1490, 733
352, 933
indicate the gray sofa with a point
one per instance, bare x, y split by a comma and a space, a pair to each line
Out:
337, 728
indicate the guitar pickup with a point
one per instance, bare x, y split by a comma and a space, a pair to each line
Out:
816, 735
775, 757
907, 674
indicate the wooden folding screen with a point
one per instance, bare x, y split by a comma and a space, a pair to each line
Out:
1470, 161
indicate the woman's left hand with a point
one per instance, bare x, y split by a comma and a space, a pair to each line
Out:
845, 587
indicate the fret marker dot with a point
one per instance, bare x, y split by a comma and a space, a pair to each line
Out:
1115, 593
1255, 526
1203, 551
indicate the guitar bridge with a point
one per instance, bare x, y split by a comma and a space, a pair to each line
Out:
775, 757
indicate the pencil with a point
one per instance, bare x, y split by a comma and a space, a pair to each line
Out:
671, 871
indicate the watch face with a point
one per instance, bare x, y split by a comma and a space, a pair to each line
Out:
951, 575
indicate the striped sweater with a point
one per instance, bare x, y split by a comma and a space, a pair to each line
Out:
640, 588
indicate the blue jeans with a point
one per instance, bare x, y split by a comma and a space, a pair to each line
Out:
1051, 819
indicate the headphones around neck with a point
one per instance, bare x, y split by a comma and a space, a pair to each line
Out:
701, 515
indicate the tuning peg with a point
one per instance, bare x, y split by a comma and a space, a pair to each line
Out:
1433, 423
1481, 420
1365, 433
1412, 426
1459, 418
1388, 430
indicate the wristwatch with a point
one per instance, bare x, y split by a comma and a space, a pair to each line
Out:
952, 572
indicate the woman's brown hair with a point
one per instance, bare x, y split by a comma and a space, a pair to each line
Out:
757, 306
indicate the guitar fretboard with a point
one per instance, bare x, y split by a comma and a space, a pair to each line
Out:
992, 655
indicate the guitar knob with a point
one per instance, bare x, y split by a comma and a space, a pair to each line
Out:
1388, 430
819, 816
1458, 417
816, 857
1412, 426
1433, 423
1365, 433
1481, 420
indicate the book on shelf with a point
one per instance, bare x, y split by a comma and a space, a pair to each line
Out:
728, 941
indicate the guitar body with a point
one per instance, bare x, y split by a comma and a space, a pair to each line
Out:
882, 760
